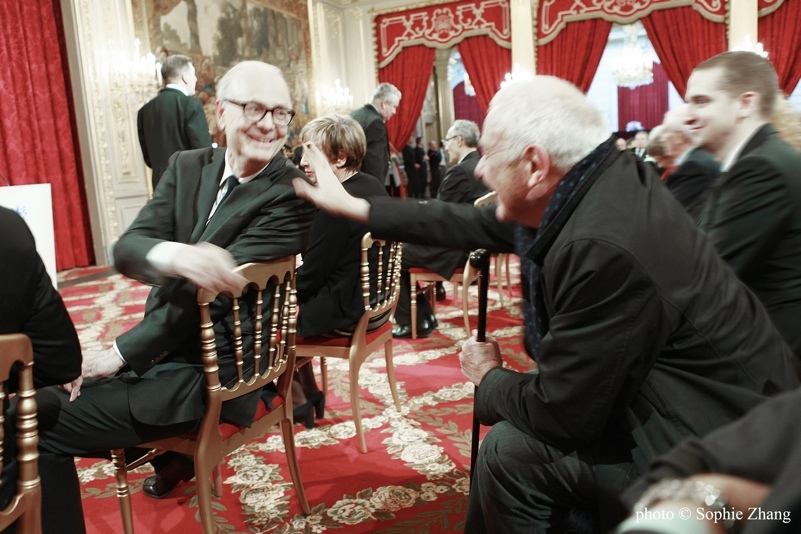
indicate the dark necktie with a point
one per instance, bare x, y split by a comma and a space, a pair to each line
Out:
231, 182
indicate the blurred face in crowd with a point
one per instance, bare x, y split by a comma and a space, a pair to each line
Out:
254, 143
388, 107
711, 112
641, 140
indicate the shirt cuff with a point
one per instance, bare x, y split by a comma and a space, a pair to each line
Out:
161, 256
117, 350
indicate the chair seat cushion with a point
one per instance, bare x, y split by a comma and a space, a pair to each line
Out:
326, 341
229, 429
423, 270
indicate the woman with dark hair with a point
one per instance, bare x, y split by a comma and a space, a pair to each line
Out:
328, 284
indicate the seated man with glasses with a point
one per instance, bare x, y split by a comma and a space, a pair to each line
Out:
458, 185
214, 208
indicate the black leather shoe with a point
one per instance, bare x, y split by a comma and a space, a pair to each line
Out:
164, 481
304, 414
441, 295
432, 321
405, 331
402, 331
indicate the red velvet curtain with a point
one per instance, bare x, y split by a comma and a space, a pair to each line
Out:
574, 54
466, 107
410, 72
646, 103
682, 39
778, 33
486, 62
37, 138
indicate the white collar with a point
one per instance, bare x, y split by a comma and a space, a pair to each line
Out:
229, 171
177, 88
734, 155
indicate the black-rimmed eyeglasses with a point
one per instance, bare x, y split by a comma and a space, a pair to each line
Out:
449, 139
255, 112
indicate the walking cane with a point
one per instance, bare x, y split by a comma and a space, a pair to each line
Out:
479, 260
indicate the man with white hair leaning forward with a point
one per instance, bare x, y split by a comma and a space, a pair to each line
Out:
643, 336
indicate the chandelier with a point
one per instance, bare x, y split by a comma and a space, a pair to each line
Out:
333, 99
633, 67
469, 90
134, 74
518, 74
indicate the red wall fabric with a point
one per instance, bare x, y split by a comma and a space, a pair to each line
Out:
410, 72
682, 39
646, 103
778, 33
575, 53
467, 107
37, 142
486, 63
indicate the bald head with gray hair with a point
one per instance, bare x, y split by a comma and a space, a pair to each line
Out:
386, 91
549, 112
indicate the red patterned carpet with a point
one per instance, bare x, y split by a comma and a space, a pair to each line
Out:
414, 477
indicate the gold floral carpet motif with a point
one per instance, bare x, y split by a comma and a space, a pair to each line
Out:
414, 477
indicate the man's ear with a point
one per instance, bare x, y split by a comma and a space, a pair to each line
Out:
219, 112
540, 164
749, 104
341, 159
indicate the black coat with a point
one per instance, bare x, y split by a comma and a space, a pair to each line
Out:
376, 160
328, 284
29, 304
690, 180
651, 336
261, 220
170, 122
753, 216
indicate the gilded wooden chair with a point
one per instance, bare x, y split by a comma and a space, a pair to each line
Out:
26, 506
380, 288
273, 349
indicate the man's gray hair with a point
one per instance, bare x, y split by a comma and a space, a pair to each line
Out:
468, 130
386, 91
675, 120
551, 113
174, 67
245, 68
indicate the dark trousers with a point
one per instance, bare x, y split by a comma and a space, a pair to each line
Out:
436, 179
523, 485
98, 421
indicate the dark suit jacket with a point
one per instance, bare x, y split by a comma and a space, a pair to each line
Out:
30, 305
646, 322
261, 220
328, 284
408, 164
170, 122
764, 446
753, 216
376, 161
690, 180
460, 186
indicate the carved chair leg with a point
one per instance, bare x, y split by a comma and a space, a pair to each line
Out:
324, 375
354, 401
391, 373
203, 484
413, 308
123, 491
217, 486
292, 461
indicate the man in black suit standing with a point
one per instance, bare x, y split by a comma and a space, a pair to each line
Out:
753, 211
372, 117
693, 169
410, 168
421, 164
640, 144
459, 186
175, 119
215, 208
29, 304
